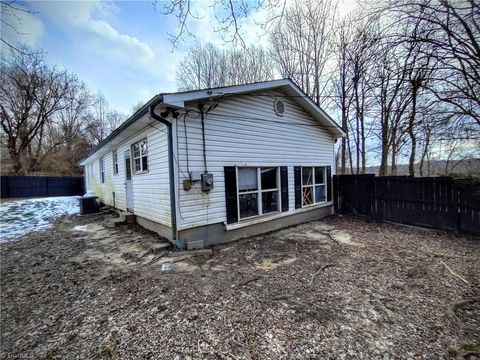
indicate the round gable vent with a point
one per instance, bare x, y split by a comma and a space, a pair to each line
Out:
279, 107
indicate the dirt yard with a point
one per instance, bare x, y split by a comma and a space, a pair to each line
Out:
84, 290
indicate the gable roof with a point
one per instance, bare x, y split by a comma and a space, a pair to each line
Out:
179, 99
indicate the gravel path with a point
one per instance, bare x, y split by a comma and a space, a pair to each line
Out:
379, 291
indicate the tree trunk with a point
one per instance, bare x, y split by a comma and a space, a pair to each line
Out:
355, 80
350, 159
384, 156
345, 138
393, 170
411, 132
17, 163
424, 152
362, 133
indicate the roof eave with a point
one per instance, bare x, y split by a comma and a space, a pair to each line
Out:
178, 100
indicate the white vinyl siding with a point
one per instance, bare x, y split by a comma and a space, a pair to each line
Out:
151, 190
244, 130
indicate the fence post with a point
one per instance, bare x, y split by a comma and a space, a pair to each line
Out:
455, 205
7, 186
335, 194
372, 198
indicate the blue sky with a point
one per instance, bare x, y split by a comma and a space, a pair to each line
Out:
122, 48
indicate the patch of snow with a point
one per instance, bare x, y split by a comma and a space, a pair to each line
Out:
21, 217
80, 228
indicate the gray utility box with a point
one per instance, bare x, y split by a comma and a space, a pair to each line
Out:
207, 182
89, 205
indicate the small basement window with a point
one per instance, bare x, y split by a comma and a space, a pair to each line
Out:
115, 163
313, 185
258, 191
140, 156
102, 171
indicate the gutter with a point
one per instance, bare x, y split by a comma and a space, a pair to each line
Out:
173, 210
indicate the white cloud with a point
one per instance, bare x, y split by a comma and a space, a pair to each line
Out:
118, 46
205, 24
98, 36
23, 27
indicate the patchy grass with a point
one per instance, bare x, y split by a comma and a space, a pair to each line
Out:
84, 290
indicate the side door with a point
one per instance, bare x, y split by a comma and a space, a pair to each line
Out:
128, 180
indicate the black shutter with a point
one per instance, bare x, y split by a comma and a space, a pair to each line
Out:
284, 187
329, 183
298, 186
231, 194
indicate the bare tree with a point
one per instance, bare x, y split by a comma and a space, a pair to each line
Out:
228, 16
343, 88
30, 94
302, 46
361, 58
392, 98
206, 66
102, 120
11, 13
63, 130
452, 34
419, 71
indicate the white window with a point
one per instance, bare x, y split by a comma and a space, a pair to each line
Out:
313, 185
258, 191
140, 156
115, 163
102, 171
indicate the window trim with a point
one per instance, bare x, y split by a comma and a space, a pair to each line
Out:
102, 170
314, 184
133, 158
259, 192
115, 162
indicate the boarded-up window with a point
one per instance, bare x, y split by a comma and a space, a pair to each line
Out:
313, 185
140, 156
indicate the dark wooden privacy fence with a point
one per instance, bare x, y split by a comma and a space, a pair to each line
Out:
436, 202
38, 186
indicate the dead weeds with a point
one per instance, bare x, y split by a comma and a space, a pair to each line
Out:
84, 290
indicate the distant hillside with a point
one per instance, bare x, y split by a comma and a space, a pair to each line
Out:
437, 167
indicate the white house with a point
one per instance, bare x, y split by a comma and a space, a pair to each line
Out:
208, 166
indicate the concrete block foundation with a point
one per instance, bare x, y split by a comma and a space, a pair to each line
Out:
216, 233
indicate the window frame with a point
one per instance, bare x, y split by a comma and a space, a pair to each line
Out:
259, 191
102, 170
115, 162
314, 184
133, 158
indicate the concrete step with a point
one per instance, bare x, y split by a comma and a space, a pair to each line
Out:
156, 248
124, 218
